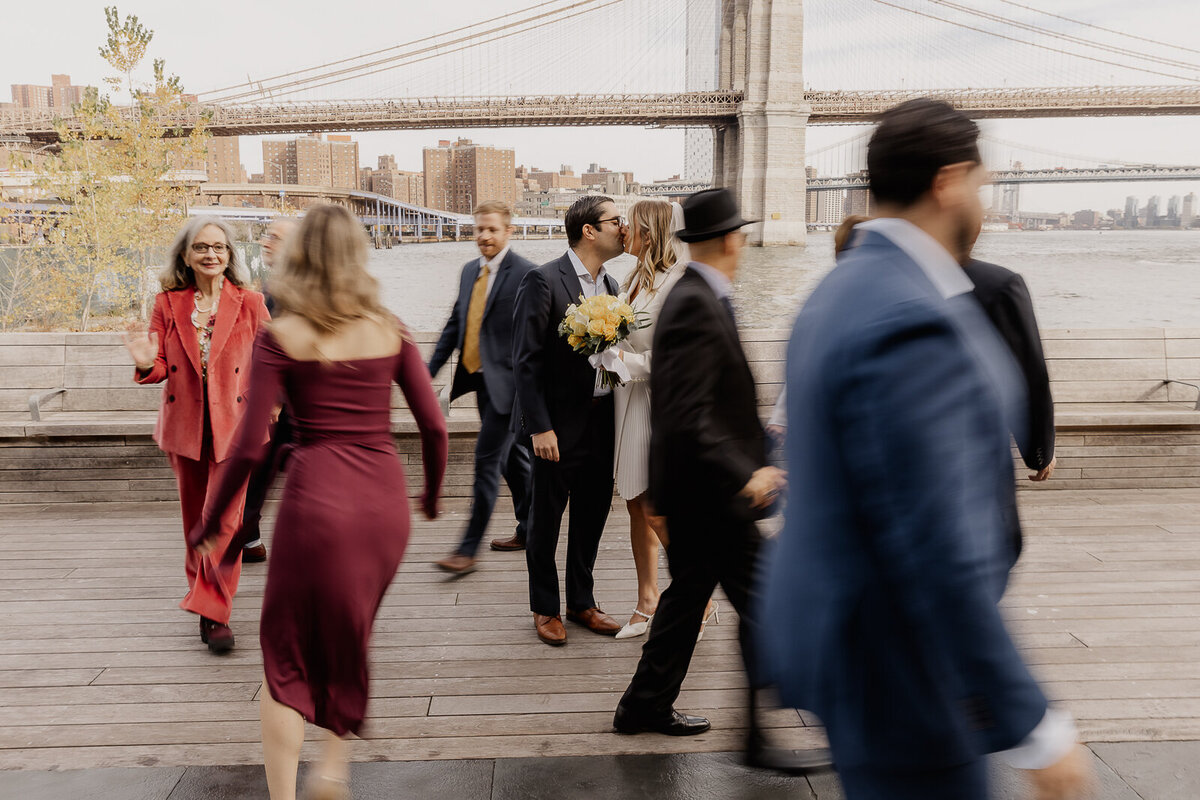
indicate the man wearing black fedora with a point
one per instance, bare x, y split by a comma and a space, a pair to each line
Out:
709, 477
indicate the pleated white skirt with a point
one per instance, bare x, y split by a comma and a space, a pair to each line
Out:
631, 452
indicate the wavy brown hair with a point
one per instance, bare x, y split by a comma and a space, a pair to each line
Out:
178, 275
652, 219
324, 276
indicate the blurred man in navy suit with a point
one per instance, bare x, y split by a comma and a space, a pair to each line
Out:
882, 593
480, 328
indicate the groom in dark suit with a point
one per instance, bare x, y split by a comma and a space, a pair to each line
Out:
481, 328
708, 476
567, 416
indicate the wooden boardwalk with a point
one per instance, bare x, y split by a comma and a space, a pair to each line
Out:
100, 668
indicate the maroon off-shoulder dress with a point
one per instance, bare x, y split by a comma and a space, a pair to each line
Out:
343, 520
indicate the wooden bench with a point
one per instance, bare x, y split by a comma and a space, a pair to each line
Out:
90, 439
1127, 406
1125, 409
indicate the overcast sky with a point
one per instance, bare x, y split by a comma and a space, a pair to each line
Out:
635, 45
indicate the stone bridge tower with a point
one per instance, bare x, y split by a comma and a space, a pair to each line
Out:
761, 157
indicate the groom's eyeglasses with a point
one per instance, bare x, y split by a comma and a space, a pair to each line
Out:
621, 221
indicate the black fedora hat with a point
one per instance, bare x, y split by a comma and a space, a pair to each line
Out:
709, 214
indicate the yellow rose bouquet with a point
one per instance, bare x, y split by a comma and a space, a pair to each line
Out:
594, 325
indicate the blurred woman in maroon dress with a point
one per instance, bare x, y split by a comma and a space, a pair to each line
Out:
343, 522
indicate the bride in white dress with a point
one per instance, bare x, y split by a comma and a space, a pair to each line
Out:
661, 260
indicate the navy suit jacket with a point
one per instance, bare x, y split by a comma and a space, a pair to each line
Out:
554, 383
882, 588
495, 335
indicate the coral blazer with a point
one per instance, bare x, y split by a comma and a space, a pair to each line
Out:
180, 427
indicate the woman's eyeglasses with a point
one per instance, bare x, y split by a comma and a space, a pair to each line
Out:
201, 249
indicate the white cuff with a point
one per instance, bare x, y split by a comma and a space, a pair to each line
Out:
779, 412
1046, 744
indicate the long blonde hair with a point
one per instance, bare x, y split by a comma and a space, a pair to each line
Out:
652, 218
324, 276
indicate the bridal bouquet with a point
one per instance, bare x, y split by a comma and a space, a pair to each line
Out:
594, 325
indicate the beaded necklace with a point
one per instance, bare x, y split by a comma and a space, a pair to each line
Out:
204, 332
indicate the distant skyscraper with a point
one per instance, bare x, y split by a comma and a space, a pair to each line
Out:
1173, 207
1131, 211
858, 201
1152, 210
831, 206
1188, 211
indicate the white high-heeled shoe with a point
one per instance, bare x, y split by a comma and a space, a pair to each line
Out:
714, 614
633, 629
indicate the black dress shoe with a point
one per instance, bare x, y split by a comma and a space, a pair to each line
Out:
789, 762
672, 723
216, 635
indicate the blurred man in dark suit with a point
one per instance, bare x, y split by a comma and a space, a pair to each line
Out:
481, 329
895, 551
709, 477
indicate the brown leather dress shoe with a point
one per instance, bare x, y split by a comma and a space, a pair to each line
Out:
550, 629
457, 564
254, 554
595, 620
514, 542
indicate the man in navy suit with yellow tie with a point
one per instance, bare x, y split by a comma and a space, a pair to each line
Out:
881, 594
481, 329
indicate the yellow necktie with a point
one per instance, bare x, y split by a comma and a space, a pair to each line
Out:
470, 350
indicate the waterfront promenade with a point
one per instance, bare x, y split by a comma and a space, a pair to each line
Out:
100, 669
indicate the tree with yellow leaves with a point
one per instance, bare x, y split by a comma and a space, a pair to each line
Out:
122, 174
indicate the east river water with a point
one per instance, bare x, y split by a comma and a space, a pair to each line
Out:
1078, 279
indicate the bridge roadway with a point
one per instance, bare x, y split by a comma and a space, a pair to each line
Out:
375, 209
682, 109
1055, 175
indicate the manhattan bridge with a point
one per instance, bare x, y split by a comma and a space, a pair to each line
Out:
746, 79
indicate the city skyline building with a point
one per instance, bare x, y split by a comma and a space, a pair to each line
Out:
565, 178
313, 160
1151, 211
222, 162
404, 185
460, 175
61, 93
1131, 211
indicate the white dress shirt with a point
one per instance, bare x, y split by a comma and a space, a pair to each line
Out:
492, 267
591, 288
1055, 735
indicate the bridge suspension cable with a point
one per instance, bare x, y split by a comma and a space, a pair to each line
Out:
250, 84
1006, 37
1123, 51
429, 51
1100, 27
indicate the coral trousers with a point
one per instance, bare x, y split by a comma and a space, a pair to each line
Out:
211, 586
